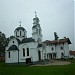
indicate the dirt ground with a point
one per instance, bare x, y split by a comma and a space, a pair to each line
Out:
54, 62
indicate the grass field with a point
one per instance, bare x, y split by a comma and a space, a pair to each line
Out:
37, 70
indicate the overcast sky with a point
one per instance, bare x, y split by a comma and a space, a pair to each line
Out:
55, 16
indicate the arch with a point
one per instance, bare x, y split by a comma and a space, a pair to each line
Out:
26, 46
13, 47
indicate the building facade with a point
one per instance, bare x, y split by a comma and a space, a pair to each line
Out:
32, 49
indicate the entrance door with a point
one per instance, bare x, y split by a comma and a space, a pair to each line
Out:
28, 60
51, 56
39, 55
62, 55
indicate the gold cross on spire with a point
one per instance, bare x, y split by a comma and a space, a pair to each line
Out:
20, 23
35, 14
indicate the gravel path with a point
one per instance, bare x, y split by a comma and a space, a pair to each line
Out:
54, 62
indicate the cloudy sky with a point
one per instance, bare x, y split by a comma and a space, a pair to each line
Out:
55, 16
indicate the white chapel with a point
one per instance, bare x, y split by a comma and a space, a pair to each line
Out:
23, 49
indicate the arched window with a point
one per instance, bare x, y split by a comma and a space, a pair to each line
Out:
27, 51
20, 33
52, 48
23, 52
61, 48
9, 54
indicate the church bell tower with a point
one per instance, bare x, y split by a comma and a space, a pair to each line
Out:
36, 30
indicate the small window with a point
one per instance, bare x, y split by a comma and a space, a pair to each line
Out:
23, 52
9, 54
52, 48
27, 51
13, 41
61, 48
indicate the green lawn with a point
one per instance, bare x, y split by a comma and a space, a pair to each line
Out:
37, 70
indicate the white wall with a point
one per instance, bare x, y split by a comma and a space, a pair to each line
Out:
59, 51
33, 54
13, 56
11, 43
66, 48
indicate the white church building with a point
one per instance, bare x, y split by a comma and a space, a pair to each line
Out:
32, 49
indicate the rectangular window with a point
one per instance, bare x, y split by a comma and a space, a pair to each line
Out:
9, 54
27, 51
23, 52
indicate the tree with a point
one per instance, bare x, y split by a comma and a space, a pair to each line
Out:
56, 36
3, 43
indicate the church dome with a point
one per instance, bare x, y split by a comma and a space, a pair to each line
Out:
20, 28
20, 32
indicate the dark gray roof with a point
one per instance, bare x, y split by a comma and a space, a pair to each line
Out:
18, 28
25, 40
34, 26
18, 40
13, 47
36, 18
39, 45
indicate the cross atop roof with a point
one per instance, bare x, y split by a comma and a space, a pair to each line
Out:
35, 14
20, 22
